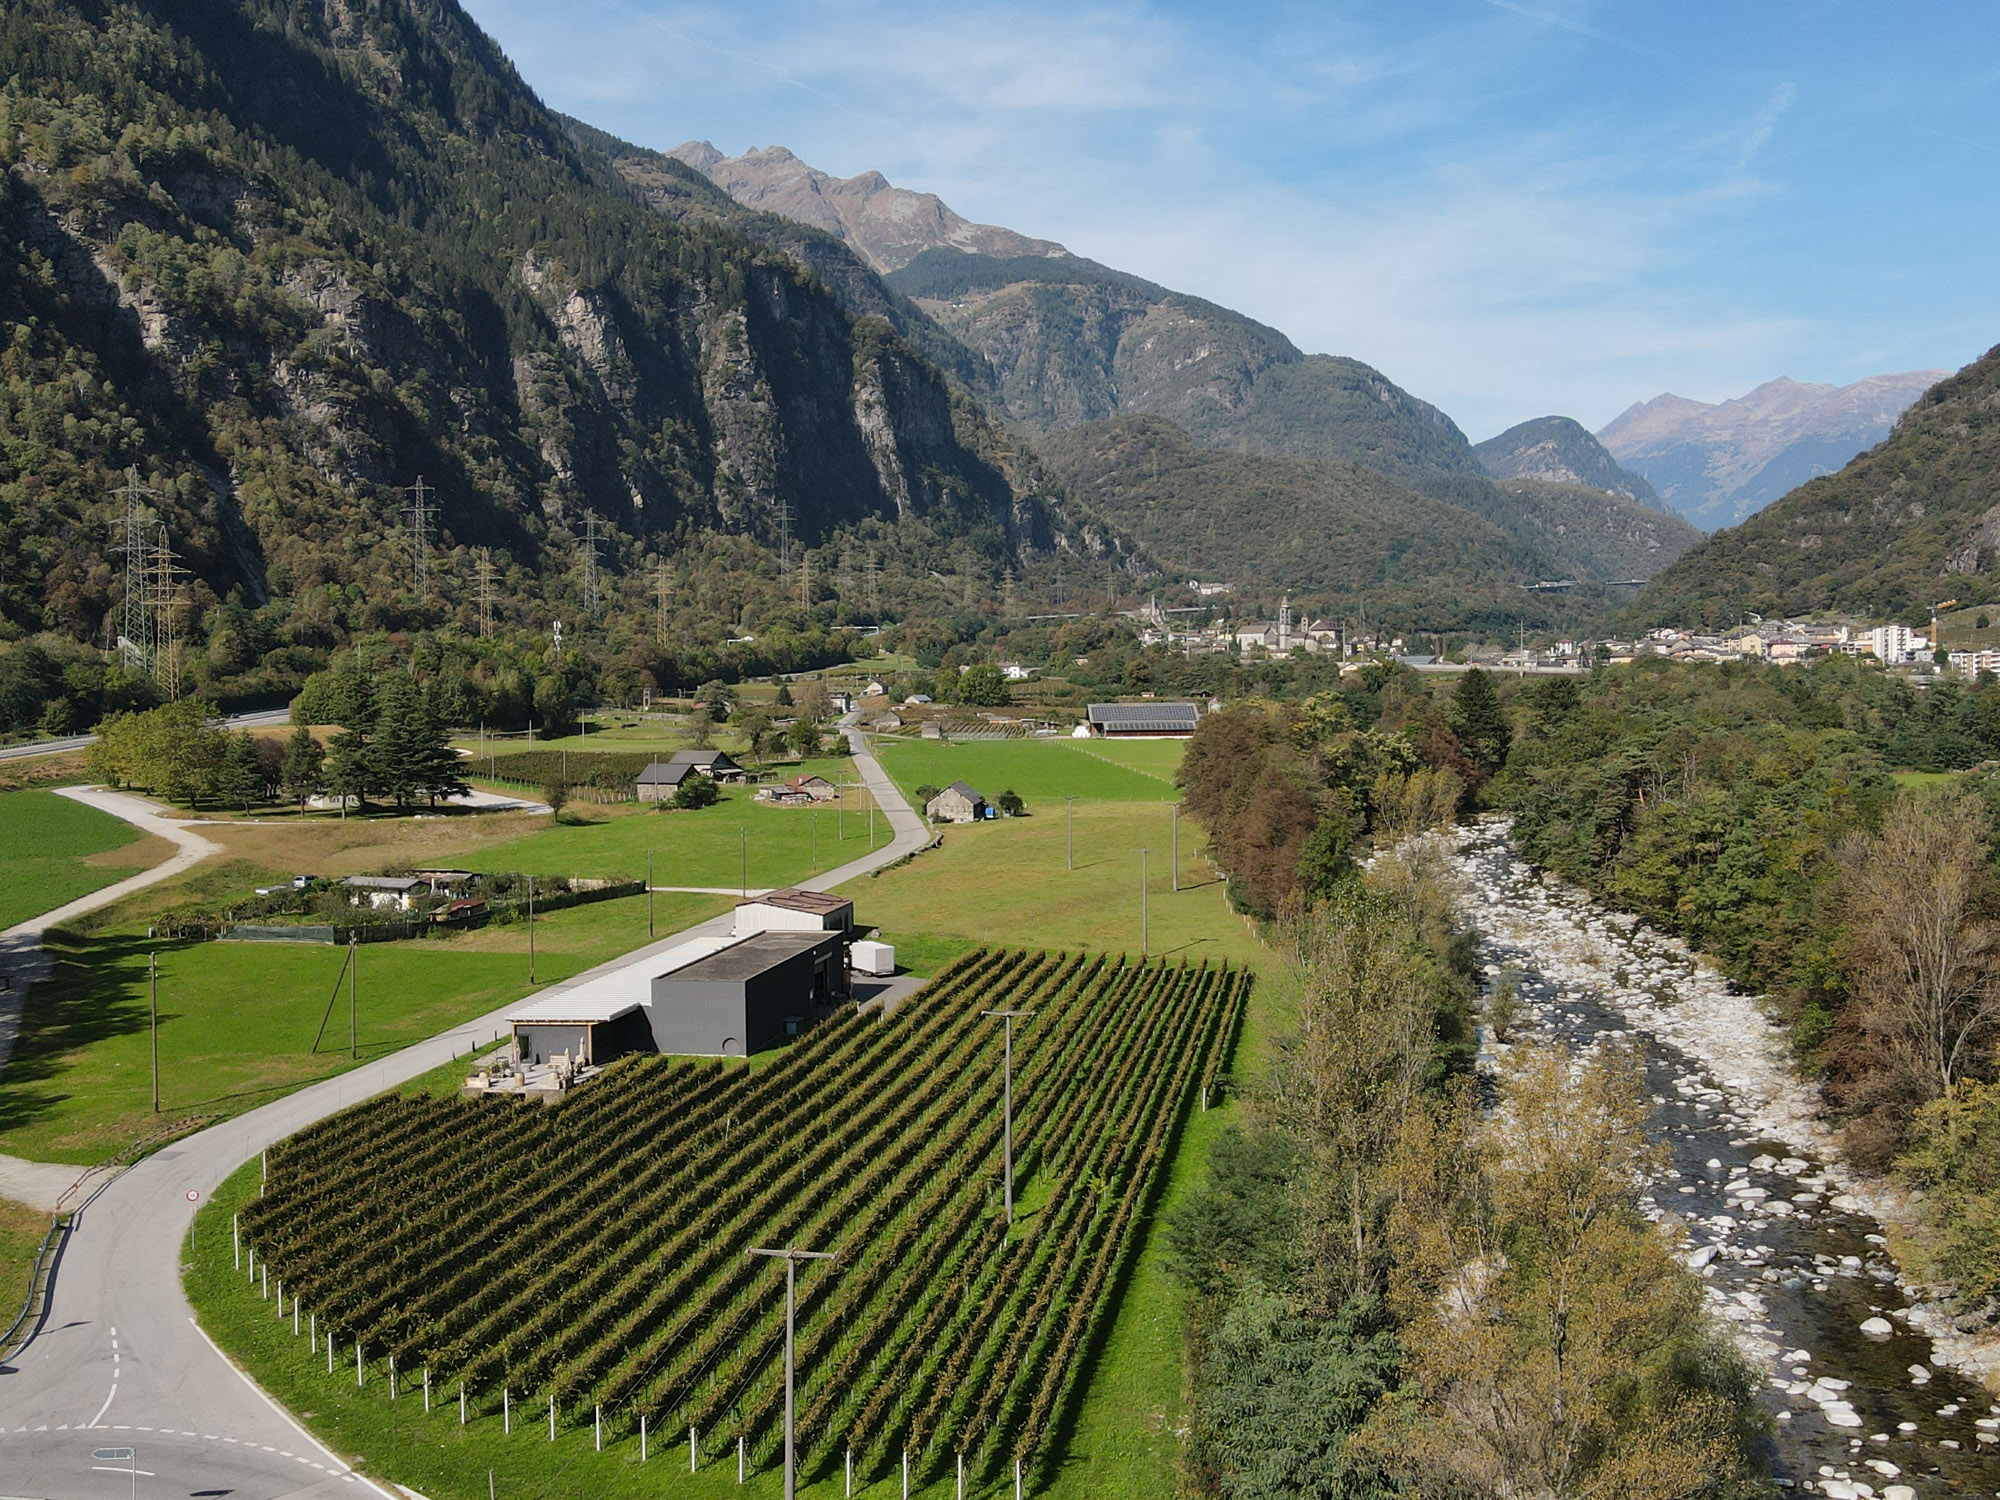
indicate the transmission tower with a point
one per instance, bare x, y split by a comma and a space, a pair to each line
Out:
1007, 593
590, 560
663, 593
484, 575
805, 580
784, 538
421, 513
167, 575
135, 638
874, 586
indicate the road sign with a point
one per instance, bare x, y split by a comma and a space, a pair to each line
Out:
192, 1195
114, 1455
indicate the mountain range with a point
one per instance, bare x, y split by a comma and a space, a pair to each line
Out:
1717, 463
1914, 519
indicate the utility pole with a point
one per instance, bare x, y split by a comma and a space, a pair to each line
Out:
421, 512
166, 618
135, 641
531, 929
1175, 824
791, 1258
1069, 805
153, 976
353, 966
1010, 1017
1142, 903
649, 893
784, 538
744, 835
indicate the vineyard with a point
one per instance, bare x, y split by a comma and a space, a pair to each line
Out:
590, 1255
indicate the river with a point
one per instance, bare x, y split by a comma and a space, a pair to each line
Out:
1794, 1265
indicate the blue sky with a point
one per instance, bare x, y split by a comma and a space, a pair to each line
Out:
1510, 208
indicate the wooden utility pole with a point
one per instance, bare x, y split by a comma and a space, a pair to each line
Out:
1069, 804
531, 929
649, 893
353, 967
1142, 903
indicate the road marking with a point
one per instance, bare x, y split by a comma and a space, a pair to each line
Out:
107, 1469
107, 1404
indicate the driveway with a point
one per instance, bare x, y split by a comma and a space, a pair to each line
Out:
120, 1360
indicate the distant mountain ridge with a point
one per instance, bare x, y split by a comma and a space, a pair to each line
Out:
1560, 450
888, 226
1719, 463
1913, 519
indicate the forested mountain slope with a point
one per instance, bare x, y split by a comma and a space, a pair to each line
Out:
285, 256
1583, 533
1073, 341
1911, 521
1560, 450
1319, 528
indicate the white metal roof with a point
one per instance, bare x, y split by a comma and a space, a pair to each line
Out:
609, 996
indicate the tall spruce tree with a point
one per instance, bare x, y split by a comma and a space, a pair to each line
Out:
1482, 726
304, 773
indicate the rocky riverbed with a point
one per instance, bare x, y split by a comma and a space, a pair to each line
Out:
1864, 1403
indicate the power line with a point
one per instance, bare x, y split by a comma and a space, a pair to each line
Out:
135, 639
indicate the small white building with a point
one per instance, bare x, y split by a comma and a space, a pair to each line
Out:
794, 910
384, 892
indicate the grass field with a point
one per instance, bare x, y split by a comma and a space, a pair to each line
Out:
21, 1232
53, 850
704, 847
237, 1019
1044, 772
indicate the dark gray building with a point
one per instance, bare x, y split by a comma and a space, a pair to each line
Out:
750, 995
1152, 718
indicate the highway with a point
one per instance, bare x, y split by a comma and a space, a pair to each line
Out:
264, 718
119, 1359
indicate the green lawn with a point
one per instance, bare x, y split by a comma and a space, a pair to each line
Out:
702, 847
21, 1232
53, 850
237, 1019
1913, 779
1044, 772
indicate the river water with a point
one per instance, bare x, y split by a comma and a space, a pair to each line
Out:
1793, 1263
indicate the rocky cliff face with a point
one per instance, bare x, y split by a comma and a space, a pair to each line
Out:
887, 225
1559, 450
1717, 464
287, 256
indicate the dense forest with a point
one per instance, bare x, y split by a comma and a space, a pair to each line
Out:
1827, 835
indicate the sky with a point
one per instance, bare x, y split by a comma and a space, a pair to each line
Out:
1510, 207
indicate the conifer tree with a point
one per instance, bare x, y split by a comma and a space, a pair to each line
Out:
304, 774
1482, 727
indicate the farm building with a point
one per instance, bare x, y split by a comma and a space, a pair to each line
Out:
795, 911
957, 803
813, 788
749, 995
663, 778
1143, 718
725, 995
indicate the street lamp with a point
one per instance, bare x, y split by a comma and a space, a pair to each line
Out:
1010, 1017
791, 1258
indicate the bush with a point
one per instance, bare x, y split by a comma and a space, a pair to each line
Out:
696, 791
1010, 804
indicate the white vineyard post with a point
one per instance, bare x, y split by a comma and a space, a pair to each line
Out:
739, 1458
461, 1403
392, 1377
690, 1450
1017, 1479
312, 1333
329, 1354
236, 1240
506, 1410
264, 1171
252, 1272
642, 1437
597, 1426
850, 1474
295, 1317
264, 1281
552, 1417
427, 1390
357, 1364
961, 1476
906, 1474
281, 1299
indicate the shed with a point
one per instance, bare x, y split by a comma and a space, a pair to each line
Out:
957, 803
384, 892
817, 788
1143, 718
795, 911
750, 995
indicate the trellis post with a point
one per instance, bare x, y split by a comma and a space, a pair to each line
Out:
506, 1411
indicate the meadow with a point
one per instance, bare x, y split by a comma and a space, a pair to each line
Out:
53, 850
1043, 772
237, 1020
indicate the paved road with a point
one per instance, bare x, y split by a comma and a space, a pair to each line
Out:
119, 1358
264, 718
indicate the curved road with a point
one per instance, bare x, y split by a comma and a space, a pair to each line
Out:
119, 1360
